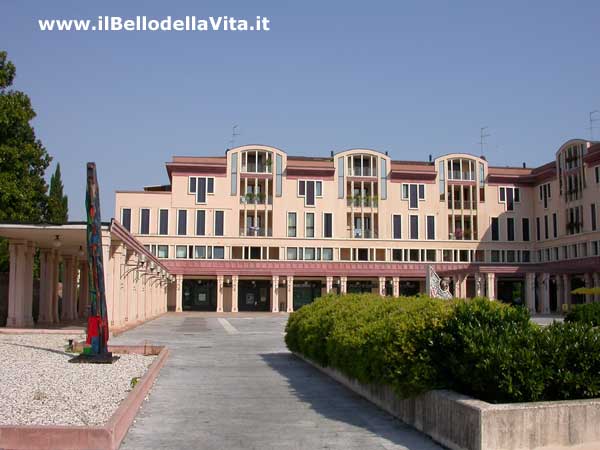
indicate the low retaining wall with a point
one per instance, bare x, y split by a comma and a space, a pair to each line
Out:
107, 437
462, 423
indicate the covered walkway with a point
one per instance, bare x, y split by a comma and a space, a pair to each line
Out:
136, 282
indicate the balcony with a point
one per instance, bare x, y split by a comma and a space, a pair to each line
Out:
457, 175
256, 232
465, 204
362, 234
256, 199
259, 162
362, 201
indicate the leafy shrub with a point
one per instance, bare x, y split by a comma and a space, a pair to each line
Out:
490, 350
570, 352
481, 348
587, 313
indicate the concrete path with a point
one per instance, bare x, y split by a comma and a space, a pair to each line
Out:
230, 383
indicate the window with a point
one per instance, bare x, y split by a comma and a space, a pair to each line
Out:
421, 192
291, 224
413, 201
404, 191
397, 226
201, 191
597, 171
144, 221
554, 226
163, 221
218, 252
192, 185
181, 251
383, 182
126, 218
292, 253
414, 227
495, 229
219, 223
182, 222
309, 225
442, 182
546, 233
431, 227
525, 229
309, 189
210, 185
502, 194
593, 218
309, 253
199, 252
233, 173
327, 225
510, 229
200, 222
517, 194
340, 174
278, 175
538, 233
163, 251
327, 254
510, 199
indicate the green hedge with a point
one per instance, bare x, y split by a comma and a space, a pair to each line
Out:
588, 313
485, 349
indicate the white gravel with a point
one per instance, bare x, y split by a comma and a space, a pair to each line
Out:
38, 386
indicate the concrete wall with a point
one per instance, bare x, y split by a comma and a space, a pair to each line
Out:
463, 423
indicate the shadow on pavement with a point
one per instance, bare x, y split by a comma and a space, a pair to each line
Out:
335, 402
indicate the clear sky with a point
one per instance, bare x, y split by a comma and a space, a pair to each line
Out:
410, 77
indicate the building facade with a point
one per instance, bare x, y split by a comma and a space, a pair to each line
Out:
260, 230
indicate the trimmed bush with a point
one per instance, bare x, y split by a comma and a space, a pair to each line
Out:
490, 351
588, 313
485, 349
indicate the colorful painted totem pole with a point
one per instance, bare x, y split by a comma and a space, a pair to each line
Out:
96, 349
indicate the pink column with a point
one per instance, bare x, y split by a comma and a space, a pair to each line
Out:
290, 294
382, 286
179, 302
20, 298
55, 285
68, 296
234, 293
275, 294
84, 289
46, 286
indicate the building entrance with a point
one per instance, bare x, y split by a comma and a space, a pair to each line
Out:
305, 292
254, 295
199, 295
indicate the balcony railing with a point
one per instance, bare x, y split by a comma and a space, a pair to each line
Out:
255, 231
458, 175
465, 204
364, 172
258, 199
259, 167
362, 234
362, 201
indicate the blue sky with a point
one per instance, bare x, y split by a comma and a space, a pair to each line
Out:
413, 78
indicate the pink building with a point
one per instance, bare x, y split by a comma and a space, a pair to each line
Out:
258, 229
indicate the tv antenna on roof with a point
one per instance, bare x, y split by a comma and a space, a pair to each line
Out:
234, 134
592, 121
482, 135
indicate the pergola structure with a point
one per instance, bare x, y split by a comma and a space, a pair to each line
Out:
136, 281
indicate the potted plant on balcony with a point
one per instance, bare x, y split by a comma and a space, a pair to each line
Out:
350, 199
268, 164
260, 197
358, 200
375, 200
367, 199
249, 197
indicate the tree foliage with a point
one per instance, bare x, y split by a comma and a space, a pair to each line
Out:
23, 158
58, 204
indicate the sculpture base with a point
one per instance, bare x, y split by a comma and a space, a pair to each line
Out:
100, 358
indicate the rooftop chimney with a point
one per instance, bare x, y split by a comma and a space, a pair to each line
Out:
332, 153
430, 158
524, 166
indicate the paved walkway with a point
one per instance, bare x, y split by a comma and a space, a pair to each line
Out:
230, 383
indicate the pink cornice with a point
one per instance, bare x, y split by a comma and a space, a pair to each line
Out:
304, 268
